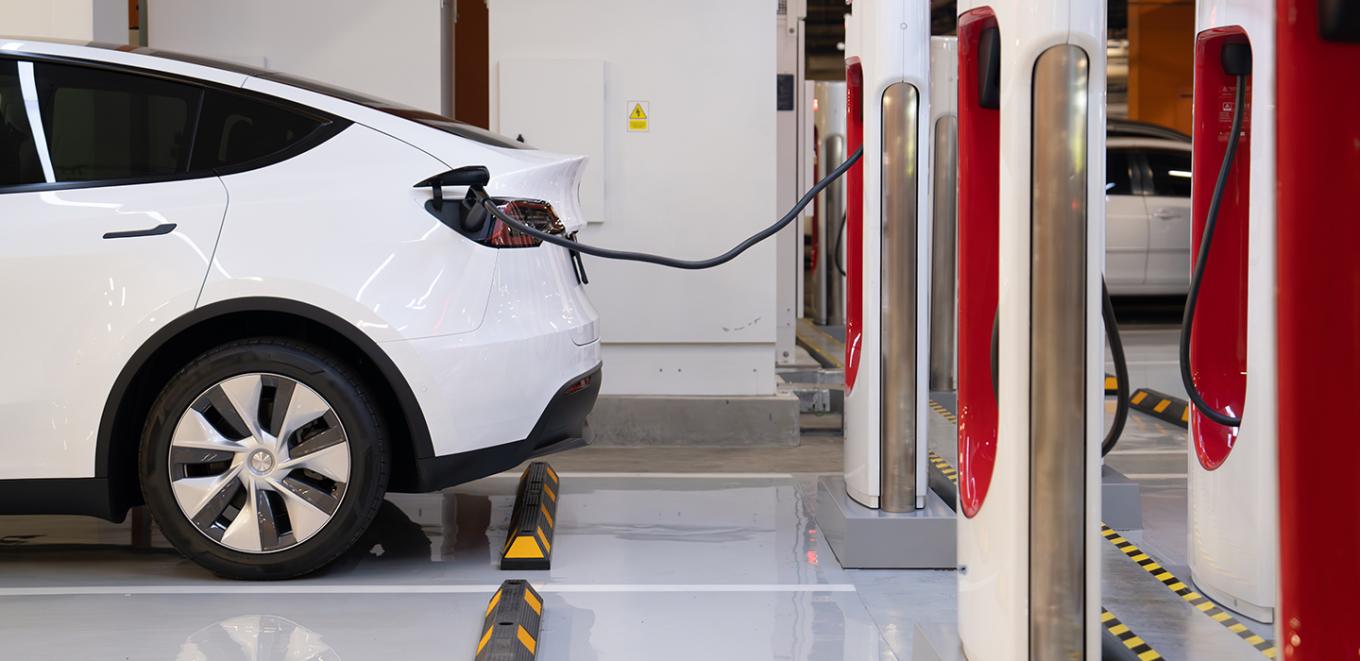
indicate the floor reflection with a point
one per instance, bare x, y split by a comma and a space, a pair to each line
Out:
256, 638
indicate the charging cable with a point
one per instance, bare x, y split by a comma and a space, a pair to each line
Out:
660, 260
1121, 367
1237, 62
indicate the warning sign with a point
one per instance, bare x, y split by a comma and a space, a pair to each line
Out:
638, 113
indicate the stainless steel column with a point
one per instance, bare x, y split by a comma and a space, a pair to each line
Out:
898, 299
1057, 342
944, 172
833, 220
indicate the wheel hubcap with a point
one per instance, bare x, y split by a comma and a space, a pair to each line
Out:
259, 463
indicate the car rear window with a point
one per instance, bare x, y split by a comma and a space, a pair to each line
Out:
19, 162
234, 130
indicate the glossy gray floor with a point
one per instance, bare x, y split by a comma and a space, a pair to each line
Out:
658, 566
678, 565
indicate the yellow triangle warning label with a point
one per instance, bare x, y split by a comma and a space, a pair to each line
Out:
637, 116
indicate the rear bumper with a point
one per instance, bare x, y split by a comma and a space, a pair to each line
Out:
560, 427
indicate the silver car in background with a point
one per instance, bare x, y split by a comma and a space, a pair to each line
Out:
1147, 236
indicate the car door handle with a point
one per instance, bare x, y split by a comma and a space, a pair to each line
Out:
1164, 214
163, 228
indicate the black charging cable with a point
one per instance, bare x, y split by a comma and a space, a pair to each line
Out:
1121, 367
660, 260
840, 233
1236, 61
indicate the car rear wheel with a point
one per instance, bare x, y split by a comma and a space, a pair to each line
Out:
264, 459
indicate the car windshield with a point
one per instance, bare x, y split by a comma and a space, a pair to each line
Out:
432, 120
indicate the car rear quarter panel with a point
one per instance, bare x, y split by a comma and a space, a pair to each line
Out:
341, 228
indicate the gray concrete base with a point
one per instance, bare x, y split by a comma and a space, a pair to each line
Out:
936, 642
870, 539
641, 421
1121, 500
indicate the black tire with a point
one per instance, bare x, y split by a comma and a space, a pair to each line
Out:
349, 399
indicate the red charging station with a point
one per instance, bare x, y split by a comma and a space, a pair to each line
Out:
978, 217
854, 222
1218, 341
1318, 307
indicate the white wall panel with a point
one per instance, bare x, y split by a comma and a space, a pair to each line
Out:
77, 20
527, 91
388, 49
699, 180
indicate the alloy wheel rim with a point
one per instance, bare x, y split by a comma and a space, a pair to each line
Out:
259, 463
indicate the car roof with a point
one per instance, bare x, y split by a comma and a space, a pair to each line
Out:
125, 56
402, 122
1129, 128
1146, 143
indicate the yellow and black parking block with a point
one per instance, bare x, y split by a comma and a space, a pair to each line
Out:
513, 619
529, 542
1160, 405
1111, 385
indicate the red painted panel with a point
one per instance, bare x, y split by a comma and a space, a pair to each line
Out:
978, 227
1318, 316
1218, 342
854, 222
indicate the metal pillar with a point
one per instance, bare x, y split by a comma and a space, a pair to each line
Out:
1057, 347
898, 301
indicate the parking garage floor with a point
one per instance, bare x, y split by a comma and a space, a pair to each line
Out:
662, 553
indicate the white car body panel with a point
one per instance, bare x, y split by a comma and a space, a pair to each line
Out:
78, 305
1147, 236
484, 337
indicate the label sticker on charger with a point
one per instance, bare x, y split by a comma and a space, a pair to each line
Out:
638, 112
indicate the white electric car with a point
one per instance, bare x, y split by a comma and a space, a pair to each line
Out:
236, 297
1147, 206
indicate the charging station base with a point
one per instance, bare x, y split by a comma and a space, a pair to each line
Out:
936, 642
864, 538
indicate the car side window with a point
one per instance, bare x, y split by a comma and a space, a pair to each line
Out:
235, 129
1170, 172
1118, 177
109, 125
19, 162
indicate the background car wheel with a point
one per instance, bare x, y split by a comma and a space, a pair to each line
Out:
264, 459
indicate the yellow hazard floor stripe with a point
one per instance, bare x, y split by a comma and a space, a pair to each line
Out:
821, 344
1196, 600
1125, 635
1156, 570
1118, 629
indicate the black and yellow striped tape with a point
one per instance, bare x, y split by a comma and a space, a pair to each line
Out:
1200, 602
826, 349
1125, 635
1111, 623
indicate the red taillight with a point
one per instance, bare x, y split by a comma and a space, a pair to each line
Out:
534, 213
